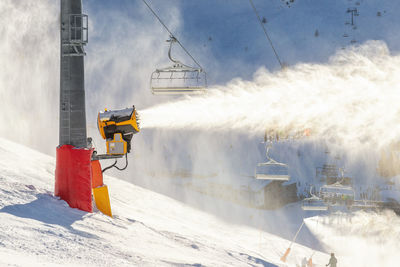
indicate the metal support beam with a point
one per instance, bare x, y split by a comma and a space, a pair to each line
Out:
73, 37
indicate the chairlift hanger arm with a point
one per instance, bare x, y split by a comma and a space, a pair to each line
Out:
312, 195
171, 41
268, 146
178, 64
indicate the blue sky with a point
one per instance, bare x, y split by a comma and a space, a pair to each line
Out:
238, 46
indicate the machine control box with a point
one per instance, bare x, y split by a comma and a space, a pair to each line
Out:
117, 146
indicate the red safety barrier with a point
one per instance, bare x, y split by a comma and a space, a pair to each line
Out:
74, 177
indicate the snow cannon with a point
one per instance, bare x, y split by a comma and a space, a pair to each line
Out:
118, 127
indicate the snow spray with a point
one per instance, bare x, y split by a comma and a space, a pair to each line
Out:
359, 239
354, 97
29, 72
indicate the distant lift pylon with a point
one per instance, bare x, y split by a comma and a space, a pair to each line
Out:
179, 78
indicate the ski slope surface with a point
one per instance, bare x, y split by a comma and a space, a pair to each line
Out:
148, 229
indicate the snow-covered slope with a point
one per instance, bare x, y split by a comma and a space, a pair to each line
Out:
148, 229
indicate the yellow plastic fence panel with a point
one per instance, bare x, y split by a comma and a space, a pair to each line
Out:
102, 199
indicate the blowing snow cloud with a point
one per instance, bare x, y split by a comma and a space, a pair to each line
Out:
353, 98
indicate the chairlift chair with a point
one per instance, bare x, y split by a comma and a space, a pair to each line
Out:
337, 192
365, 204
179, 78
336, 188
313, 203
272, 170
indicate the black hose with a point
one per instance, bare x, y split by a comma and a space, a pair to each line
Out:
126, 163
114, 165
109, 167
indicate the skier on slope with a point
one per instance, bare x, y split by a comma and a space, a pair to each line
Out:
332, 261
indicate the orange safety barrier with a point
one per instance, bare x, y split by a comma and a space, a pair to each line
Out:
97, 175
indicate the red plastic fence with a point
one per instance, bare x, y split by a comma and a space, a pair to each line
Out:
74, 177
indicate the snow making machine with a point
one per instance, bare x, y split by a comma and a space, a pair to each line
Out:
117, 127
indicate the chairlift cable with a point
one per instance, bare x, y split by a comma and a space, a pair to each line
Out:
171, 34
265, 32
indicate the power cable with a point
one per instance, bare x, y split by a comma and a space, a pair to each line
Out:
171, 34
114, 165
266, 34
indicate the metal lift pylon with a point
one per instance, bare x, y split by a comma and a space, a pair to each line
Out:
73, 157
74, 36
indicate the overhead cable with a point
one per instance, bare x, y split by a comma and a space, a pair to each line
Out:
266, 34
171, 34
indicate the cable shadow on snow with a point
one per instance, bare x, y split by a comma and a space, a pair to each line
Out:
50, 211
